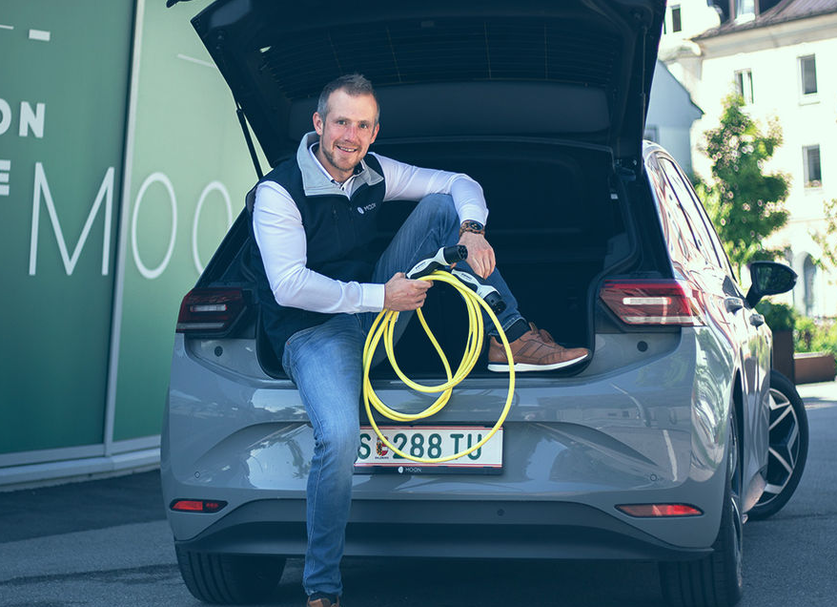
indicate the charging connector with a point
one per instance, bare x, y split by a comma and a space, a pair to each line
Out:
444, 257
490, 295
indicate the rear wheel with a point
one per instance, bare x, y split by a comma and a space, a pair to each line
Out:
788, 446
716, 580
229, 578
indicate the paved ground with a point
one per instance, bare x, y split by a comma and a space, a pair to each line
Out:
106, 544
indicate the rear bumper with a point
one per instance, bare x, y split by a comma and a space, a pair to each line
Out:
574, 448
454, 529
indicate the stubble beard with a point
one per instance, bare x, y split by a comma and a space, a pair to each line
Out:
346, 167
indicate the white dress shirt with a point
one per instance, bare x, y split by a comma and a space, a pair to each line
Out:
280, 234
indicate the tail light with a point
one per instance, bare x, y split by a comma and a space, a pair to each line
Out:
653, 302
208, 506
659, 510
210, 311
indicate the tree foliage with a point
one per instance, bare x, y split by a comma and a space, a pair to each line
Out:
828, 240
745, 204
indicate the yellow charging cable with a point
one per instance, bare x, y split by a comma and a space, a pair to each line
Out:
384, 326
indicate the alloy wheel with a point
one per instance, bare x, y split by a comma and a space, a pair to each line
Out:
785, 445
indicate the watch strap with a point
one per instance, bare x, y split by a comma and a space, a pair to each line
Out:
469, 225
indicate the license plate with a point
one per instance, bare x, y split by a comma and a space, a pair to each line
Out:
431, 442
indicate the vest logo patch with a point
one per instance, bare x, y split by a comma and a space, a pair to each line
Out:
368, 207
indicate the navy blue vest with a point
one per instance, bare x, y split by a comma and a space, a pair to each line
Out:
338, 232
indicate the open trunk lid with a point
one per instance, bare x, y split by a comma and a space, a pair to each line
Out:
576, 70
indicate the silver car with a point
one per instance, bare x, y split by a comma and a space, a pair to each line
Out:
656, 448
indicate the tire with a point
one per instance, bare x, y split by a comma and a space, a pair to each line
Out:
788, 447
716, 580
229, 578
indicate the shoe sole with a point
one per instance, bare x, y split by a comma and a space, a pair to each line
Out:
523, 367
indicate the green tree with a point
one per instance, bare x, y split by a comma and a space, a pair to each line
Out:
745, 204
828, 240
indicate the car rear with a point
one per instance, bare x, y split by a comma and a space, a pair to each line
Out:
618, 458
587, 261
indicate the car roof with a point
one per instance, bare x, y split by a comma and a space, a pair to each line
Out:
571, 69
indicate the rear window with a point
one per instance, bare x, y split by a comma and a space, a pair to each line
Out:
681, 240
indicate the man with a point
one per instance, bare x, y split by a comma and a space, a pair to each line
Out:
313, 217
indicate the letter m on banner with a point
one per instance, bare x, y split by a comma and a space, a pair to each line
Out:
42, 190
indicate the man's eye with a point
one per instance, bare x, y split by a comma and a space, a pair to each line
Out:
364, 125
341, 122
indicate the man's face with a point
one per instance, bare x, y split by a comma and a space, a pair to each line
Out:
346, 133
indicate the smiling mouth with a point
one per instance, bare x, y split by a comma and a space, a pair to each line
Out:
345, 149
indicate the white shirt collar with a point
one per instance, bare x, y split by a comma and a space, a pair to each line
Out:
316, 181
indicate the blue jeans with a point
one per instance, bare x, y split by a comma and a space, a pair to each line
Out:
332, 398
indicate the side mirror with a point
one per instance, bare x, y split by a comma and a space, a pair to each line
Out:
769, 278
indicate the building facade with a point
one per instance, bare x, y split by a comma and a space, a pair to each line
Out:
671, 114
779, 57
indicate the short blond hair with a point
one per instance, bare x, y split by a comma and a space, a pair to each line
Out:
354, 85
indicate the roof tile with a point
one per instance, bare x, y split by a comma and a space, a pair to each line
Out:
786, 10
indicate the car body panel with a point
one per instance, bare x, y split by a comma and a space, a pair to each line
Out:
749, 345
600, 439
484, 529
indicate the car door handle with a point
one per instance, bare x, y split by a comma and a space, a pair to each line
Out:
733, 304
757, 320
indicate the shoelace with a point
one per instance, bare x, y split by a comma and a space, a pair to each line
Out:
542, 333
546, 336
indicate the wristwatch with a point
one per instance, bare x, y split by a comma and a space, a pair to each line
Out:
469, 225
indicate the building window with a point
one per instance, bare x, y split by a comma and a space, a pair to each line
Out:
676, 19
745, 10
811, 166
744, 85
808, 74
809, 277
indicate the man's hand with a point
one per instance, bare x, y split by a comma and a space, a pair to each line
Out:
480, 254
402, 294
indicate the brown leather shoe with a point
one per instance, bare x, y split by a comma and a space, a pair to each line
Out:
535, 350
322, 603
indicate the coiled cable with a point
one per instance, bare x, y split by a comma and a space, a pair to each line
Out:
384, 327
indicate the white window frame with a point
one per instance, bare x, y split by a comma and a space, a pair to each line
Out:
744, 85
744, 14
676, 7
804, 97
806, 169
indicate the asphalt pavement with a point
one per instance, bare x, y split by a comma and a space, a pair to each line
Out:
105, 543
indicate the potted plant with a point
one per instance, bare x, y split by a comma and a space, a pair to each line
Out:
816, 347
781, 318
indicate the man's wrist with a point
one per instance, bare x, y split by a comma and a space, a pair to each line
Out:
469, 225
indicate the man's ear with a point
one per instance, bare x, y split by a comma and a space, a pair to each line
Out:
375, 133
318, 123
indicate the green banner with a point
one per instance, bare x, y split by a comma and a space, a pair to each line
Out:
63, 84
189, 175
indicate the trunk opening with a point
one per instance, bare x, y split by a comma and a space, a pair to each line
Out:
554, 225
